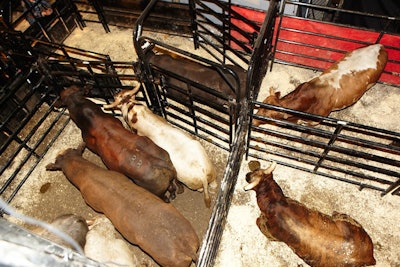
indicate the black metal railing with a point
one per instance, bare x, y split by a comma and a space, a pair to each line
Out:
92, 11
365, 156
55, 27
28, 99
216, 32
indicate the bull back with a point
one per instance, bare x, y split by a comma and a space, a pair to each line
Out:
201, 74
143, 219
121, 150
338, 87
319, 239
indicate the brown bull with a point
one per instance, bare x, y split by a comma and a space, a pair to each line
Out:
202, 74
320, 240
338, 87
142, 218
136, 156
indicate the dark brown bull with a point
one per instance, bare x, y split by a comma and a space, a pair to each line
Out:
202, 74
338, 87
142, 218
320, 240
136, 156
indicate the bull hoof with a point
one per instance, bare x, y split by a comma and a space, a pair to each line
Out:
180, 187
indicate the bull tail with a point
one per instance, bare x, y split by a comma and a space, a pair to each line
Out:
207, 199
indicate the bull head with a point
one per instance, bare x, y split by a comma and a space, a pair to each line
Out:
125, 96
66, 153
254, 177
272, 99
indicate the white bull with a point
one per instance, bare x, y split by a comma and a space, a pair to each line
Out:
194, 167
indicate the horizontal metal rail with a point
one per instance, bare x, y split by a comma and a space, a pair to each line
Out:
314, 44
354, 153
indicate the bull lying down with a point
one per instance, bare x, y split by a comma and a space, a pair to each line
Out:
192, 164
141, 217
222, 81
320, 240
338, 87
136, 156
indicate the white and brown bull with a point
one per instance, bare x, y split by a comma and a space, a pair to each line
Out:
319, 239
338, 87
193, 166
104, 244
158, 228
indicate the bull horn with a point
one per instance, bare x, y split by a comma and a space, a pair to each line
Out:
125, 93
132, 91
271, 168
135, 90
252, 185
271, 90
111, 106
257, 181
90, 222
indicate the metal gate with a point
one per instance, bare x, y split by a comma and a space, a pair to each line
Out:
365, 156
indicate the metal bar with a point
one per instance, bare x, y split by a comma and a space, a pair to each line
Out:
334, 136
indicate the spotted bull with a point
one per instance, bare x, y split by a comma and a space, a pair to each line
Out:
193, 166
338, 87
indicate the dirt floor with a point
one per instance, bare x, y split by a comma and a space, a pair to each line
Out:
243, 244
46, 195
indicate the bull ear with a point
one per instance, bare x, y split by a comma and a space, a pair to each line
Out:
254, 165
272, 92
81, 147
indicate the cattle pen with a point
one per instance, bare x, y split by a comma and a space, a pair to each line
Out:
349, 163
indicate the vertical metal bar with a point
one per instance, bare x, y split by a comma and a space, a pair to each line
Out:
281, 11
100, 13
58, 15
78, 17
339, 127
391, 187
193, 23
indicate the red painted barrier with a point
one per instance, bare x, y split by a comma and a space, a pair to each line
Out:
317, 44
